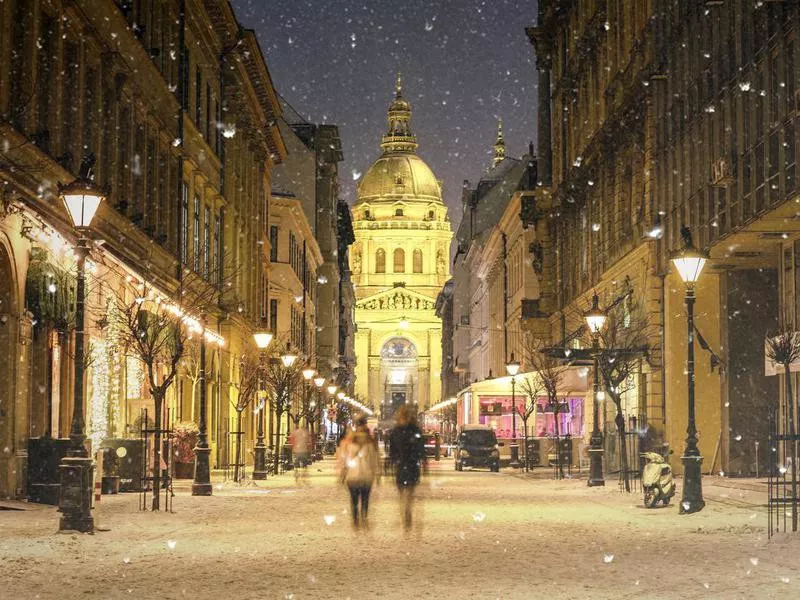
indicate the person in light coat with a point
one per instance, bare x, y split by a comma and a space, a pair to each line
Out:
358, 465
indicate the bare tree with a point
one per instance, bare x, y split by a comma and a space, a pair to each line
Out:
532, 389
551, 374
191, 369
784, 349
155, 327
247, 387
623, 345
282, 382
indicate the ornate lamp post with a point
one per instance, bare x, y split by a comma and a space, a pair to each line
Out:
332, 393
308, 374
262, 339
82, 200
288, 358
201, 486
689, 263
595, 321
512, 368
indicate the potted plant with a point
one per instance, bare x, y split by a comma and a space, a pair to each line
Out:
184, 441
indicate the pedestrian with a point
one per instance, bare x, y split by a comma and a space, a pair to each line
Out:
407, 452
358, 464
301, 447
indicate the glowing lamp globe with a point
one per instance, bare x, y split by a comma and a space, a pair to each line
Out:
595, 318
689, 263
308, 373
82, 200
332, 389
512, 368
262, 339
319, 381
288, 358
340, 395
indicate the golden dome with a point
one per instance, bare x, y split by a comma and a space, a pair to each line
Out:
394, 175
399, 172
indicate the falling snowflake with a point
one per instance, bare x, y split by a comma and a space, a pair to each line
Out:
171, 544
754, 561
478, 517
329, 519
608, 558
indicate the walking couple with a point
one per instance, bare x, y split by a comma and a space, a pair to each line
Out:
359, 464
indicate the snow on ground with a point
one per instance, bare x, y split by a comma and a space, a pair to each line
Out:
478, 535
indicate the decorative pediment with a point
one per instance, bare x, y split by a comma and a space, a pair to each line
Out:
397, 299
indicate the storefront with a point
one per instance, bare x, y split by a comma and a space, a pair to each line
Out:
490, 402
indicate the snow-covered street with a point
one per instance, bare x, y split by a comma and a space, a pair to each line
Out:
478, 535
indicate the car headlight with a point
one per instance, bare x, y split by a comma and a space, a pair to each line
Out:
496, 453
464, 454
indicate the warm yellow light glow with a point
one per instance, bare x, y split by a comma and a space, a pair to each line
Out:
689, 265
512, 367
332, 389
319, 381
262, 339
308, 373
288, 358
403, 324
340, 395
595, 318
82, 200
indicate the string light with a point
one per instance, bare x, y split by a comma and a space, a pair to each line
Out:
99, 402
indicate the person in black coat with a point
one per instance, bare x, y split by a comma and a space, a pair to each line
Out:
407, 453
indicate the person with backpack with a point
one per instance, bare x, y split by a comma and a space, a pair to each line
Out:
407, 453
358, 465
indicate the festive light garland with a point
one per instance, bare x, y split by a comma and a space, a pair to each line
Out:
98, 424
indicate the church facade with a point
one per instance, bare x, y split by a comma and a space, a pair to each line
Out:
399, 263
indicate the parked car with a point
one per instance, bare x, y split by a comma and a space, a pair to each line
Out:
477, 446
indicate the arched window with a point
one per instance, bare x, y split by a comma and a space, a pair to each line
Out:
417, 261
398, 212
431, 215
399, 260
380, 261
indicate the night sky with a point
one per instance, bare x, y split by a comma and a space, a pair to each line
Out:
464, 63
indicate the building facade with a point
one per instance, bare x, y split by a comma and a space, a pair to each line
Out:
310, 173
137, 96
650, 119
399, 263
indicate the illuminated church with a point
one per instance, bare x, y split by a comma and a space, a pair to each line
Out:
399, 263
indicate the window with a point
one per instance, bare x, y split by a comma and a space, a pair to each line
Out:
273, 314
366, 214
218, 247
380, 261
273, 243
196, 234
198, 98
398, 212
399, 260
207, 243
184, 224
417, 261
431, 215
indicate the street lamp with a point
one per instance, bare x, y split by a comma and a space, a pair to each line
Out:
262, 339
201, 486
595, 321
332, 393
82, 200
689, 263
308, 374
512, 368
288, 358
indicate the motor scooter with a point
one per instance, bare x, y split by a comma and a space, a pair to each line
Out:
657, 480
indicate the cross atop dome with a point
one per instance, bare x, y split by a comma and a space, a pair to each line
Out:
398, 138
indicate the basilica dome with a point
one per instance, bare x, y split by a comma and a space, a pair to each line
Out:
394, 175
399, 173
